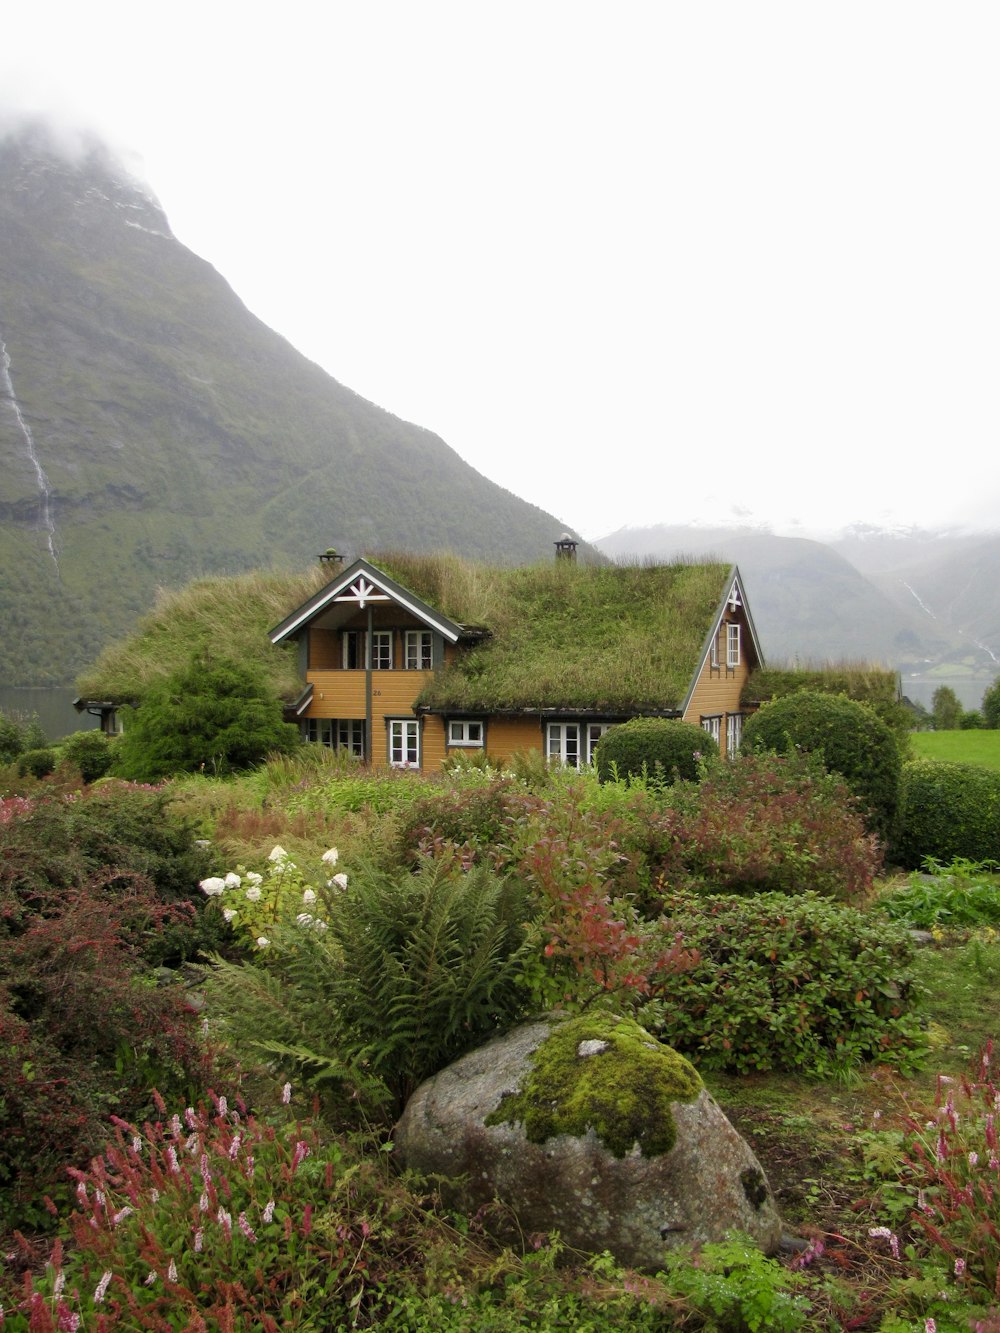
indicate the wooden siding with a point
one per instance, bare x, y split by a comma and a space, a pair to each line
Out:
718, 688
507, 736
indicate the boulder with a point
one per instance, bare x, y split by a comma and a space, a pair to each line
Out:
590, 1127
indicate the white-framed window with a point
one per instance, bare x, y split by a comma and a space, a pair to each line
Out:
734, 733
713, 725
732, 645
353, 649
381, 649
465, 731
562, 744
419, 650
595, 730
404, 742
344, 734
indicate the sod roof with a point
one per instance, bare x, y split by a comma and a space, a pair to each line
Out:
567, 636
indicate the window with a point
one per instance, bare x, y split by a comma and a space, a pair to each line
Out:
419, 651
595, 730
382, 650
563, 743
713, 725
462, 731
344, 734
714, 656
353, 641
734, 733
732, 645
404, 742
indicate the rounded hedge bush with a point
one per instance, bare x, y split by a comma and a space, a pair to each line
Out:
91, 752
948, 810
39, 763
663, 748
849, 737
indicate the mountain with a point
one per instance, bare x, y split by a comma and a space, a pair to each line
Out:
913, 601
152, 429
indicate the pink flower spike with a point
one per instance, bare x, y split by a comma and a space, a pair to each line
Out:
101, 1289
246, 1228
959, 1267
286, 1094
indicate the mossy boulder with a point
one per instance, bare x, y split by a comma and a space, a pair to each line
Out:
591, 1127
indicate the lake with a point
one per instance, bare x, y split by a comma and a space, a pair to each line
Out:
52, 705
969, 690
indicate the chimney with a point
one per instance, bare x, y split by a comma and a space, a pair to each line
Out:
566, 548
330, 558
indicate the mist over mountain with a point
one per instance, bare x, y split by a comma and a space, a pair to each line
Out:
152, 429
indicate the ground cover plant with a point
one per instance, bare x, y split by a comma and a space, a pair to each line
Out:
838, 1148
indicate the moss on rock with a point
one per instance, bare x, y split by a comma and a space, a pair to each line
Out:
606, 1074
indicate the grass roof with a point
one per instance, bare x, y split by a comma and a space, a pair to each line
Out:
226, 617
608, 638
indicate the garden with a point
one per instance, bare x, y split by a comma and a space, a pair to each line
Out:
218, 994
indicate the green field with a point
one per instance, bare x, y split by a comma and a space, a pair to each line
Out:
962, 747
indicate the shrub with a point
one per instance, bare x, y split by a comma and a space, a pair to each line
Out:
797, 984
217, 717
849, 738
37, 763
991, 706
948, 810
764, 822
660, 747
90, 752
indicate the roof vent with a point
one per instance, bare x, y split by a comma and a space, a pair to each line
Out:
565, 547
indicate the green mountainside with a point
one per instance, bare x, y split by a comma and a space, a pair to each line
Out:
152, 430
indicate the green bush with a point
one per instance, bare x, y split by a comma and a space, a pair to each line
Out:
961, 894
663, 748
90, 752
800, 984
948, 811
991, 706
849, 738
37, 763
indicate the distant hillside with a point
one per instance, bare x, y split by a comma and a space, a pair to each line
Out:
153, 430
809, 602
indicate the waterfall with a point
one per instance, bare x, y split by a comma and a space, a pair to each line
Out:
47, 523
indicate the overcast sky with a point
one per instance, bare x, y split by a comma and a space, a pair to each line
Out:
637, 262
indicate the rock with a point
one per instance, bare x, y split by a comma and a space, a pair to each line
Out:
592, 1128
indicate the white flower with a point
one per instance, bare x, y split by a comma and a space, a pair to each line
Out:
229, 913
331, 857
277, 854
286, 1094
232, 880
309, 896
172, 1272
212, 886
340, 881
262, 941
320, 924
304, 919
102, 1286
252, 877
253, 894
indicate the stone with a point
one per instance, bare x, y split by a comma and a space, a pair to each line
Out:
590, 1127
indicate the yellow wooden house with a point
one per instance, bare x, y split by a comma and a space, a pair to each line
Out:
408, 659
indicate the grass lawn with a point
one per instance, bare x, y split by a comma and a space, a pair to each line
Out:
962, 747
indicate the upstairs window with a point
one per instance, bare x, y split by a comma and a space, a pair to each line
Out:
382, 650
732, 645
353, 644
419, 650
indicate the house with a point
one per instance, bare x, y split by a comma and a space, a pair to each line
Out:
407, 659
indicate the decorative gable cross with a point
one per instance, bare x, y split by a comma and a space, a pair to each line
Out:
362, 591
734, 599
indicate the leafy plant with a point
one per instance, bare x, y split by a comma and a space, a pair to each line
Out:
849, 738
90, 752
388, 978
787, 983
663, 748
961, 893
733, 1286
948, 810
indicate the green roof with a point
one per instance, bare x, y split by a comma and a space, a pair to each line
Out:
567, 636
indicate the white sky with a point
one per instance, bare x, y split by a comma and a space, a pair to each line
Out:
637, 262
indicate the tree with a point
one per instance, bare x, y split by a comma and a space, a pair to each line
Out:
946, 709
213, 716
991, 706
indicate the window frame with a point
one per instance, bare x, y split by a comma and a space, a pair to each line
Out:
712, 723
732, 643
352, 646
409, 742
382, 639
415, 642
734, 733
464, 740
